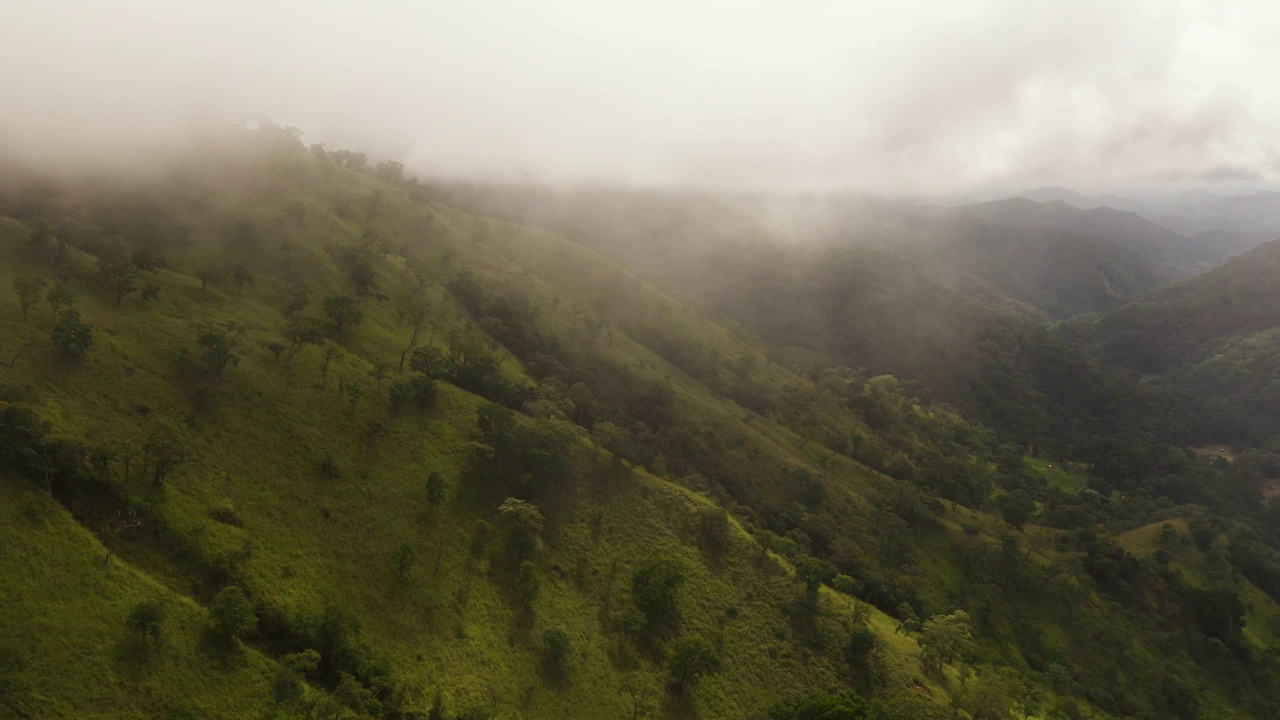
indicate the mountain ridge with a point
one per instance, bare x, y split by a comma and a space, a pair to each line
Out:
480, 470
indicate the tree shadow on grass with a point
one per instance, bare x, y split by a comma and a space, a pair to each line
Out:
679, 705
556, 677
803, 616
135, 657
217, 647
623, 653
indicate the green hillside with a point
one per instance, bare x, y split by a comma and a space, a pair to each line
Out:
1170, 252
1059, 272
1059, 260
940, 300
462, 467
66, 651
1214, 337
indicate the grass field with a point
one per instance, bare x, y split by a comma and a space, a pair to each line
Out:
1063, 476
1147, 539
63, 626
1216, 450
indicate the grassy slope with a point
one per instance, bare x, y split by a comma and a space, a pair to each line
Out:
448, 628
1201, 569
1064, 477
62, 612
451, 627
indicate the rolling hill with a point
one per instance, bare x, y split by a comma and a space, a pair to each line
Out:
1213, 335
940, 300
284, 434
1218, 225
1128, 231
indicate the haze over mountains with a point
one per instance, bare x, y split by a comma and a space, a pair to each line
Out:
1057, 257
367, 446
1233, 219
495, 360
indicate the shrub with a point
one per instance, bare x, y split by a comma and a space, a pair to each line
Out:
557, 644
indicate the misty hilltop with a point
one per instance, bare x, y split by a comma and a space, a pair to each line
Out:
1197, 213
510, 361
295, 423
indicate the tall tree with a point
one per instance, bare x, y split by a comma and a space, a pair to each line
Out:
413, 312
28, 289
289, 686
330, 354
71, 336
557, 644
146, 619
303, 331
219, 350
379, 372
691, 659
362, 276
168, 447
241, 276
945, 638
522, 523
208, 272
232, 614
654, 587
116, 272
390, 171
62, 294
435, 489
144, 261
343, 312
813, 573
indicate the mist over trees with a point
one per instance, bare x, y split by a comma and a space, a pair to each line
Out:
836, 465
490, 360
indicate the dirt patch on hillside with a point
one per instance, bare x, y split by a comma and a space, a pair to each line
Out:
1222, 451
1270, 489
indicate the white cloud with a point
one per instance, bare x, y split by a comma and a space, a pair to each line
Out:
911, 96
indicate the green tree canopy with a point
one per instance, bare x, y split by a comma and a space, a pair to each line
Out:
655, 585
343, 312
945, 638
557, 644
522, 522
289, 685
28, 289
232, 614
847, 705
146, 619
691, 659
72, 337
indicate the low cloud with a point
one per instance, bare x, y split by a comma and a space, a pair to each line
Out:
893, 98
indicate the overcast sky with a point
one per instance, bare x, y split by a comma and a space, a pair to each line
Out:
897, 96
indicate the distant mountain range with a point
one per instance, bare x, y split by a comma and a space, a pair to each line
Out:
1062, 258
1123, 228
1248, 218
1080, 200
1049, 252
